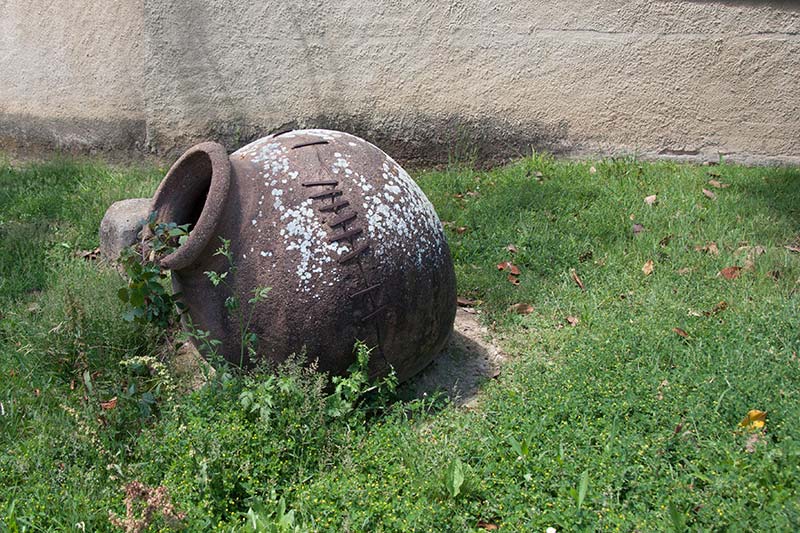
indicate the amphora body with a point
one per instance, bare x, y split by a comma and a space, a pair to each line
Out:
348, 244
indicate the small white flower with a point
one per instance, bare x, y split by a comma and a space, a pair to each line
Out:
551, 530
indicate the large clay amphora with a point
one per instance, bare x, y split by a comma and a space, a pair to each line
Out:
348, 243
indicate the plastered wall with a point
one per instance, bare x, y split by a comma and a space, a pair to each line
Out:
424, 80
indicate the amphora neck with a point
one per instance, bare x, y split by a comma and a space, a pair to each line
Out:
194, 192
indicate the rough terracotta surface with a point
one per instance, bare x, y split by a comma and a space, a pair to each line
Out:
678, 78
349, 245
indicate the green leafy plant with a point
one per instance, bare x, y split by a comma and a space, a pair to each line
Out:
454, 477
354, 390
249, 340
149, 301
276, 520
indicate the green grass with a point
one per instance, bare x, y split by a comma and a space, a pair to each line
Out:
617, 423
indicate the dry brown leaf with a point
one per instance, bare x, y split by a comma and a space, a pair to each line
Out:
110, 404
521, 309
514, 280
709, 194
637, 229
461, 230
89, 255
718, 184
511, 267
459, 196
731, 272
573, 320
681, 332
795, 249
464, 302
710, 248
577, 279
648, 267
650, 200
487, 526
662, 385
511, 248
721, 306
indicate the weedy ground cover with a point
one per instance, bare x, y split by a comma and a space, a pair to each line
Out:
649, 307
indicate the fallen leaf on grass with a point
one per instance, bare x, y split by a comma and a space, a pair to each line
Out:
754, 420
577, 279
681, 332
521, 309
89, 255
752, 251
510, 267
514, 280
461, 230
710, 248
487, 526
709, 194
464, 302
795, 249
731, 272
718, 184
637, 229
660, 393
110, 404
650, 200
721, 306
573, 320
648, 267
511, 248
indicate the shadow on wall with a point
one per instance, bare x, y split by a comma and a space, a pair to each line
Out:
432, 139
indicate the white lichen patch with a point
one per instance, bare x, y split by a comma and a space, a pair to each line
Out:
304, 234
393, 211
399, 216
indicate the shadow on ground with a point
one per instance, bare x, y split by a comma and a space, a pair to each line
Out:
469, 359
